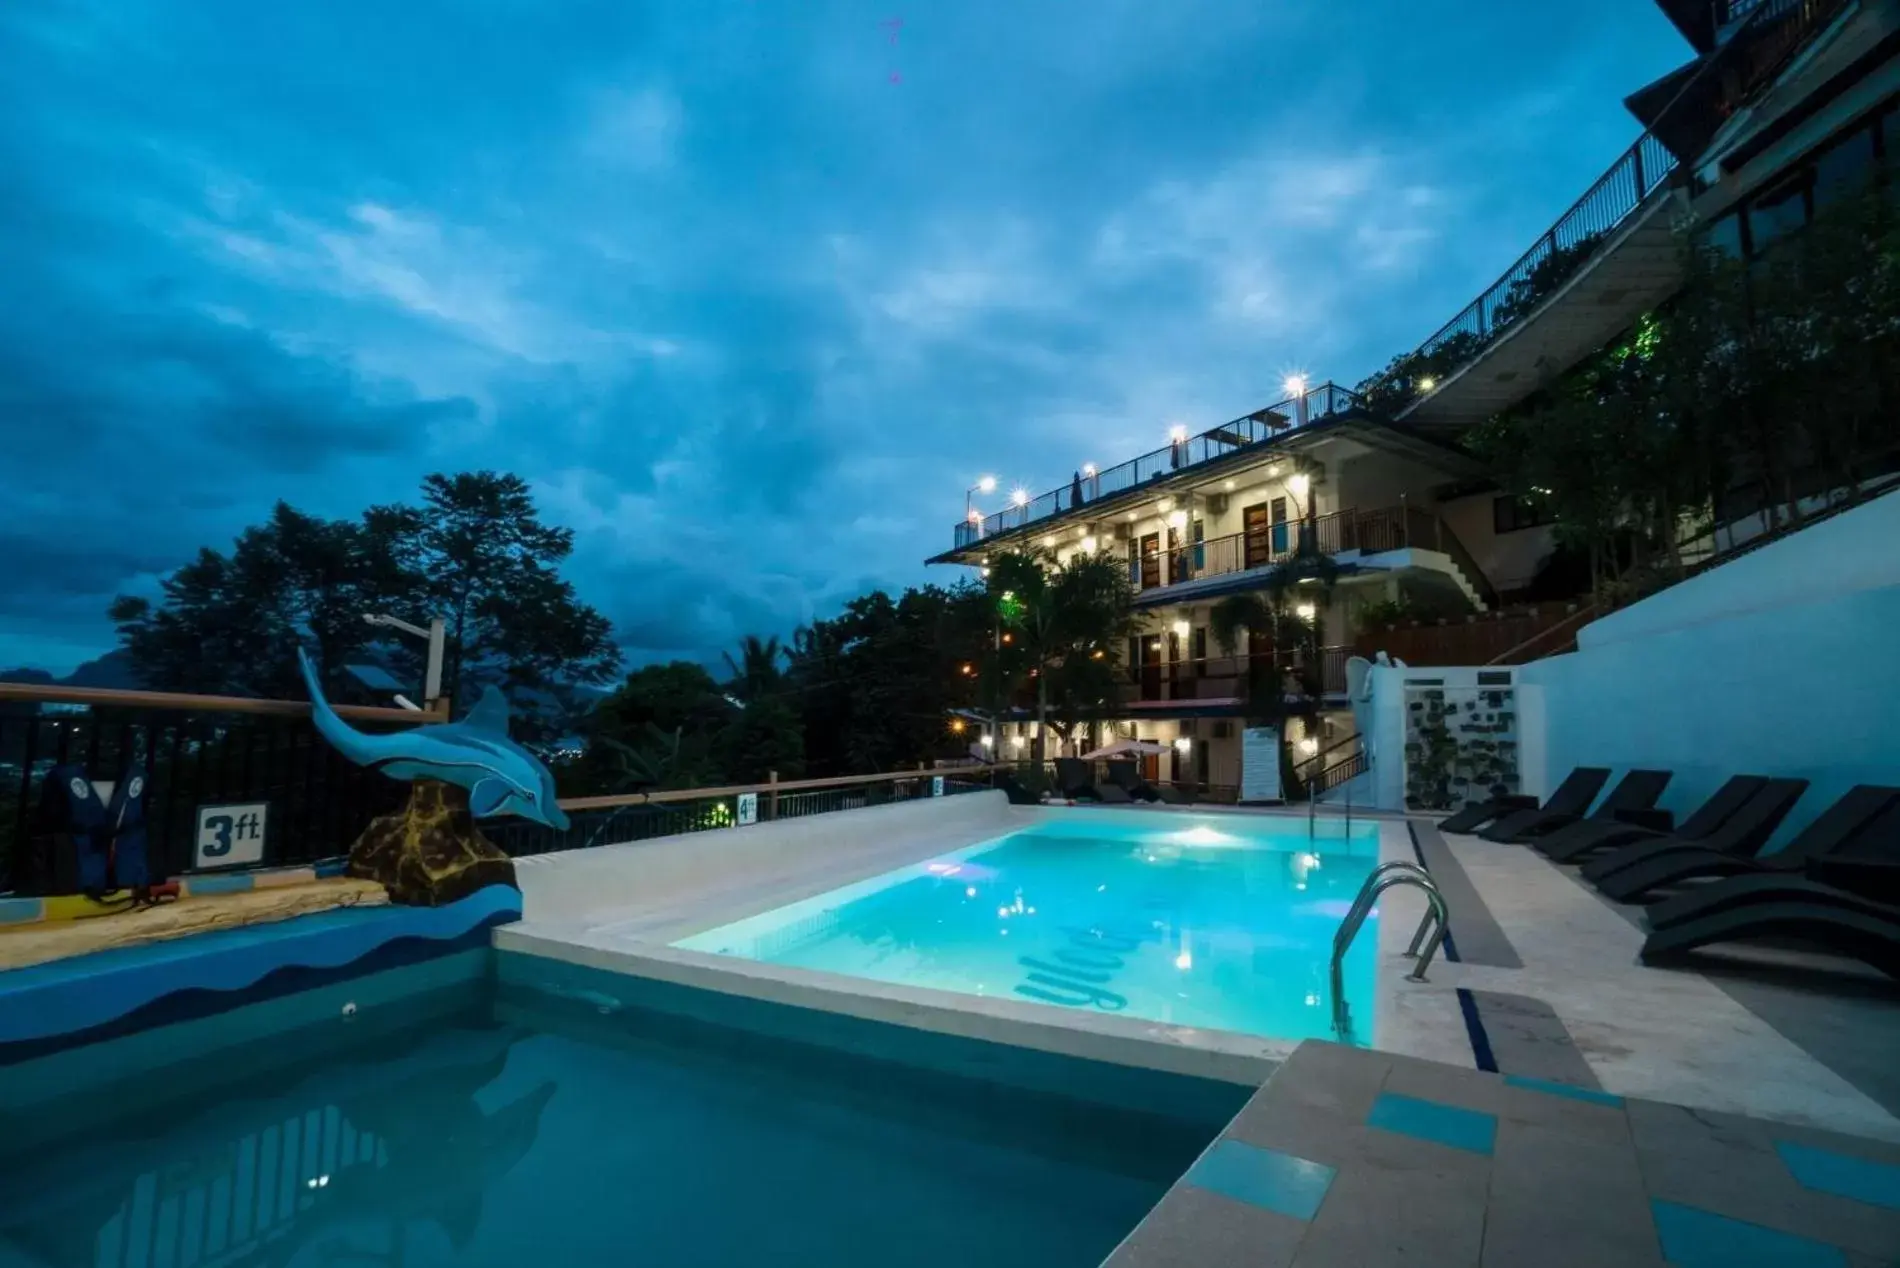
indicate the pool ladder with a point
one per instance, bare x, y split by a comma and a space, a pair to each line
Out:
1384, 877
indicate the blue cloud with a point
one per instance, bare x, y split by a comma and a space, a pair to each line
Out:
750, 315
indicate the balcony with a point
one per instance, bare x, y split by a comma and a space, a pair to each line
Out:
1190, 454
1167, 575
1614, 253
1220, 683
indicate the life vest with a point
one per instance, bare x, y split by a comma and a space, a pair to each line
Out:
108, 837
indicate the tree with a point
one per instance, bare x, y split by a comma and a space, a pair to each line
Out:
1065, 625
475, 552
1286, 671
657, 729
489, 565
232, 624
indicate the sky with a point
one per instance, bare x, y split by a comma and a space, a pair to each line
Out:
751, 291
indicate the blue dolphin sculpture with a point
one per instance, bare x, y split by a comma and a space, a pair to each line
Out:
475, 754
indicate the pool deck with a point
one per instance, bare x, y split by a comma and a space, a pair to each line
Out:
1358, 1159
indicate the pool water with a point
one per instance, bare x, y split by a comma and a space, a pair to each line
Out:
525, 1131
1214, 922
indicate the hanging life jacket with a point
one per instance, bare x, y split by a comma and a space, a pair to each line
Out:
108, 838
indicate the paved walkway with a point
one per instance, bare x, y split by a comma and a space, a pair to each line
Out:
1357, 1158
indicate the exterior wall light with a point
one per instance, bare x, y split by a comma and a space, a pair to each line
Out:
1177, 519
1295, 385
1305, 611
1088, 545
1298, 483
1181, 628
1182, 744
1020, 497
1178, 434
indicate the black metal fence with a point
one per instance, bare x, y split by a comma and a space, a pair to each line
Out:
317, 801
674, 813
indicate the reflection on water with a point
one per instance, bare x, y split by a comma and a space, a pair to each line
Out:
342, 1168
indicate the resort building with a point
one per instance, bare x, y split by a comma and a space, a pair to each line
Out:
1785, 105
1400, 514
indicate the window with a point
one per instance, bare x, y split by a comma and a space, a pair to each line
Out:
1842, 168
1724, 234
1510, 513
1779, 212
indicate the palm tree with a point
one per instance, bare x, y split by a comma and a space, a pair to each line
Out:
756, 671
1280, 641
1066, 624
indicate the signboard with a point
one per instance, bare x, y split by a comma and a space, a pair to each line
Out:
230, 835
936, 785
1260, 764
748, 808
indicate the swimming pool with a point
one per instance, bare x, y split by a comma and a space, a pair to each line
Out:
1210, 921
502, 1125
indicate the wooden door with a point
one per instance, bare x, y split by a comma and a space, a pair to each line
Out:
1151, 561
1148, 667
1257, 550
1277, 512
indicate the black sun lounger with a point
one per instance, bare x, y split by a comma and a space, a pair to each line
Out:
1752, 907
1637, 790
1580, 785
1074, 780
1571, 843
1127, 776
1741, 835
1858, 814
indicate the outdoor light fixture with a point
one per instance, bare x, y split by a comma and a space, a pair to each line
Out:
435, 636
956, 726
1182, 743
1178, 434
1155, 644
1298, 483
1016, 741
1181, 628
1230, 484
1088, 469
1020, 497
1088, 545
986, 571
986, 484
1427, 383
1305, 611
1133, 514
1309, 746
1177, 519
989, 741
1295, 385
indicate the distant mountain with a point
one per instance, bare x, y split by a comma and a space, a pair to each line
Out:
113, 672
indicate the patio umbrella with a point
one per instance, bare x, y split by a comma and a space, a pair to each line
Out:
1126, 748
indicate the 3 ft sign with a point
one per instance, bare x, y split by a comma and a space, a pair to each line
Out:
230, 835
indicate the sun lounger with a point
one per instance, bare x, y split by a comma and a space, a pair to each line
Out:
1755, 907
1075, 781
1584, 782
1637, 790
1741, 835
1858, 821
1113, 794
1127, 777
1176, 794
1570, 843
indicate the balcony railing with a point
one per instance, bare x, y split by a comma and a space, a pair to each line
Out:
1727, 80
1371, 531
1257, 428
1224, 679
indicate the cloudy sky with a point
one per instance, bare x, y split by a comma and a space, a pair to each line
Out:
750, 290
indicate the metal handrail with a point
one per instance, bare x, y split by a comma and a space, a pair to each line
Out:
1380, 879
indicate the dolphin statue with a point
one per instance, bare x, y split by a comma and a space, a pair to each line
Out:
475, 754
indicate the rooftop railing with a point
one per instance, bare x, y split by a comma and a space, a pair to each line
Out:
1728, 79
1257, 428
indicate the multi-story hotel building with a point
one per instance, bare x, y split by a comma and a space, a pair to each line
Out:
1784, 105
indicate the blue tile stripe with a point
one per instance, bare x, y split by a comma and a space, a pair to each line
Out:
1263, 1177
1843, 1175
1448, 1125
1565, 1089
20, 911
1694, 1238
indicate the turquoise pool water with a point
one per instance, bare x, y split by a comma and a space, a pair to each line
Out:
516, 1129
1215, 922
